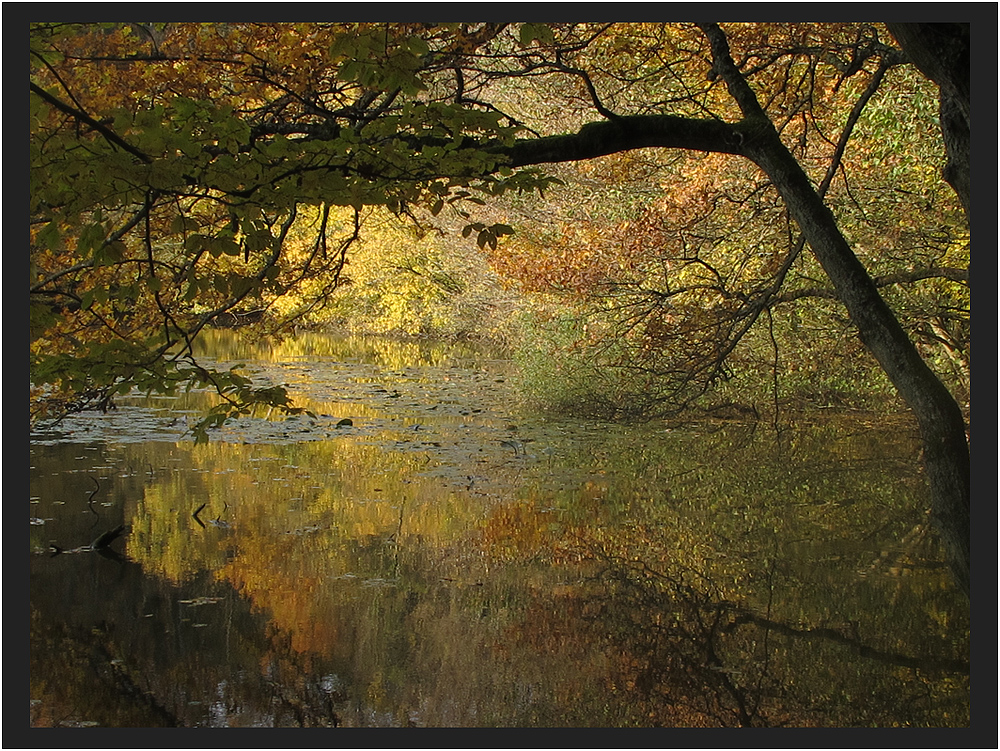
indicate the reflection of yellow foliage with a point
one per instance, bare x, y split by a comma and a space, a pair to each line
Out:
351, 551
285, 524
163, 530
516, 531
293, 598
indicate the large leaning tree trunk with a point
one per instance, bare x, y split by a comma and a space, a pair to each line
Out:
942, 426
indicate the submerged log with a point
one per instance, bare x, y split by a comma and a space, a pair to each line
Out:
108, 537
100, 545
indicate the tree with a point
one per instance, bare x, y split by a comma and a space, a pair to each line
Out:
171, 162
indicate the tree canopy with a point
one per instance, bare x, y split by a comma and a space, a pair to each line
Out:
184, 172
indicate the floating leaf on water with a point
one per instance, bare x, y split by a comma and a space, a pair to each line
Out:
201, 601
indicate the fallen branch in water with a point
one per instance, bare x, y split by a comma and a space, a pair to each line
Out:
100, 545
108, 537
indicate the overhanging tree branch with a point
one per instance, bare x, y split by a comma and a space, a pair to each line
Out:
83, 117
624, 134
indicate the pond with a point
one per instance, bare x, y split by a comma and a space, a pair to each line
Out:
424, 550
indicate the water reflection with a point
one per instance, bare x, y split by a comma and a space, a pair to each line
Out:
450, 560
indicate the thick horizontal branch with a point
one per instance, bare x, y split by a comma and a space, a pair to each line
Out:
593, 140
625, 134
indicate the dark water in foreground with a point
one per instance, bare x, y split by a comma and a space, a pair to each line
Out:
451, 559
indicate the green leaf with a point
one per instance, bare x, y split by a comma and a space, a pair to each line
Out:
531, 32
49, 236
195, 243
218, 246
417, 46
181, 223
115, 250
258, 240
91, 237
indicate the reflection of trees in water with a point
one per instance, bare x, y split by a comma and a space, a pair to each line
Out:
354, 587
77, 682
102, 675
693, 657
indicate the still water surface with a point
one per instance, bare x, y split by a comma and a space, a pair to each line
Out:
452, 558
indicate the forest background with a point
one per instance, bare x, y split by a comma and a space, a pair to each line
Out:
651, 218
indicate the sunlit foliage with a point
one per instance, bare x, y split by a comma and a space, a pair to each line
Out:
188, 174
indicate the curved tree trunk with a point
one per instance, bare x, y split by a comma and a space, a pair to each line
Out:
942, 426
